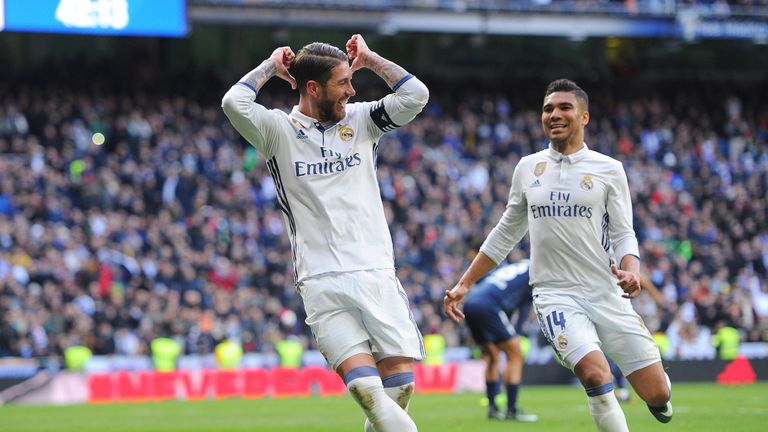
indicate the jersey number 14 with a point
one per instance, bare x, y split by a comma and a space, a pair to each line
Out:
555, 319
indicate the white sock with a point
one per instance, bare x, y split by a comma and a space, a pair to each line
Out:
669, 384
669, 410
400, 394
384, 414
606, 411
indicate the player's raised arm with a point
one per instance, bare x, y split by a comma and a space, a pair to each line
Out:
363, 57
248, 117
276, 65
410, 97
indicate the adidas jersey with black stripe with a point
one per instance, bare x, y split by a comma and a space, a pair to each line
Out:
326, 176
578, 211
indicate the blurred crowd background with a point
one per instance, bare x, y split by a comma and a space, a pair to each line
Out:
128, 216
131, 210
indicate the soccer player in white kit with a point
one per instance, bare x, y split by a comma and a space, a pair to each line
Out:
322, 158
575, 203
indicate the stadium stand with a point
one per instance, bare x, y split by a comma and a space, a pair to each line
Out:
130, 209
172, 223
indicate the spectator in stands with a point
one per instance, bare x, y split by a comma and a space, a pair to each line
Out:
698, 181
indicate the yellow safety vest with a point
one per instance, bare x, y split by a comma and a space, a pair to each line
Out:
228, 354
165, 351
290, 352
434, 347
727, 341
662, 341
77, 357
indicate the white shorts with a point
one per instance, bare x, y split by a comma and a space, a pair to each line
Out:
360, 312
576, 326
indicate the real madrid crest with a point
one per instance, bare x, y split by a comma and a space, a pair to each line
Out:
586, 183
562, 342
540, 167
346, 133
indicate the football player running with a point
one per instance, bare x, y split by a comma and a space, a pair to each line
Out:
575, 204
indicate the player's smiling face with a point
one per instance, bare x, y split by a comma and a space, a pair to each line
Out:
335, 93
563, 118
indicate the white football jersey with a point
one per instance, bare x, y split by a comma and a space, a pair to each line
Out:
576, 207
326, 176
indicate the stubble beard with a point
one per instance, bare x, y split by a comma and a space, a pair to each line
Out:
328, 111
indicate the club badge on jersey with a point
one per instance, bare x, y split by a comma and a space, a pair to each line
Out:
346, 133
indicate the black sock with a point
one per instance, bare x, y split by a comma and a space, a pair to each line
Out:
491, 390
512, 390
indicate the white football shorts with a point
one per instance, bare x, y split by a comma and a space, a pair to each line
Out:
358, 312
576, 326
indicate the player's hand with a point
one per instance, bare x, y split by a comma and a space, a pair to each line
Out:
628, 281
283, 58
358, 52
454, 297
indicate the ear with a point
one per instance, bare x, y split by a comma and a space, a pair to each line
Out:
585, 118
313, 88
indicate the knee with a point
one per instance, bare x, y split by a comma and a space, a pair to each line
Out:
513, 349
493, 362
391, 365
657, 396
652, 385
594, 377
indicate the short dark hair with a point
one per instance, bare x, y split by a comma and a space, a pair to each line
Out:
314, 63
566, 85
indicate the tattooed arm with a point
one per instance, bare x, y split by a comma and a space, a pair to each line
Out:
398, 108
254, 122
276, 65
363, 57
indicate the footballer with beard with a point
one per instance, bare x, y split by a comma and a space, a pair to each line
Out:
322, 158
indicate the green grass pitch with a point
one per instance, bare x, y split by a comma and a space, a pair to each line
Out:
698, 407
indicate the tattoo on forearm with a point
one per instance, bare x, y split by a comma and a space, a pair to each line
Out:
390, 72
259, 76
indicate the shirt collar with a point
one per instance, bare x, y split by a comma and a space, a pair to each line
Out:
572, 158
306, 121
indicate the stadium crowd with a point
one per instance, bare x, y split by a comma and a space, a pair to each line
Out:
127, 216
